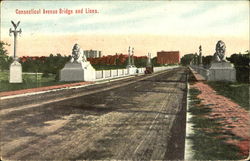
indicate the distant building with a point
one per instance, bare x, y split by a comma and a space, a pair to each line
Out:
92, 53
168, 57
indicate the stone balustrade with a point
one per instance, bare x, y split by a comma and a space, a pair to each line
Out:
115, 73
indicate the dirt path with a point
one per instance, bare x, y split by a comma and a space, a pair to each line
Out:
134, 121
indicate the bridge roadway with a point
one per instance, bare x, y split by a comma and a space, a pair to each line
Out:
141, 118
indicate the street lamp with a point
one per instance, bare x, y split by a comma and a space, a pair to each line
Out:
15, 67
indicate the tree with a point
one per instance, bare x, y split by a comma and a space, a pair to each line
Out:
186, 59
5, 60
141, 61
154, 62
206, 61
241, 64
240, 59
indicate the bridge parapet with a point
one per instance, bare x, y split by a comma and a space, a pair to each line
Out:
115, 73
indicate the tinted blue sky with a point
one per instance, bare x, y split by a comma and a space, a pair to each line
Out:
149, 26
137, 17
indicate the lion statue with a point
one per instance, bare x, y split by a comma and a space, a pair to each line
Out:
220, 51
77, 54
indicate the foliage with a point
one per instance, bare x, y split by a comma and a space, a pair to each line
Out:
108, 67
5, 60
46, 65
141, 61
186, 59
240, 59
154, 62
116, 61
241, 64
206, 60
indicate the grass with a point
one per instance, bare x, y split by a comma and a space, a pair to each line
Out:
206, 143
237, 92
29, 81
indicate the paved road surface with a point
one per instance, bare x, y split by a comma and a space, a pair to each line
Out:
142, 119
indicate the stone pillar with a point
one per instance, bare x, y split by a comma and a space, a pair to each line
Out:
15, 72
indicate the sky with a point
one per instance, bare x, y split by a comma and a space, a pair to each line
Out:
148, 26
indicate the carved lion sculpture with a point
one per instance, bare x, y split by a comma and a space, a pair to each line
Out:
77, 54
220, 51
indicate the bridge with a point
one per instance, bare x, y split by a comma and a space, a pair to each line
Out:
138, 118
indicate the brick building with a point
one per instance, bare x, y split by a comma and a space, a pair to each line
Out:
168, 57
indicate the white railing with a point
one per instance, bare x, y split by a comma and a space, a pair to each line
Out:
115, 73
99, 74
109, 74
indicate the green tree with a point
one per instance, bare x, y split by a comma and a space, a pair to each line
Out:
186, 59
241, 64
140, 62
206, 61
154, 62
54, 63
5, 60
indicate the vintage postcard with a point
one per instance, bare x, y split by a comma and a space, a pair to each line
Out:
124, 80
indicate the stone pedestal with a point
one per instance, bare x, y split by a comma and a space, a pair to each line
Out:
75, 71
222, 71
131, 69
15, 72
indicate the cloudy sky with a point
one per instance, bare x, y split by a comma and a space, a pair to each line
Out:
148, 26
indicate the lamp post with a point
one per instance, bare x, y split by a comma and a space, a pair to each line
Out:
200, 55
133, 61
131, 67
129, 60
15, 67
15, 32
149, 60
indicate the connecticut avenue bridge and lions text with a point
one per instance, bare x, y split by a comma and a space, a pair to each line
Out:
57, 11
